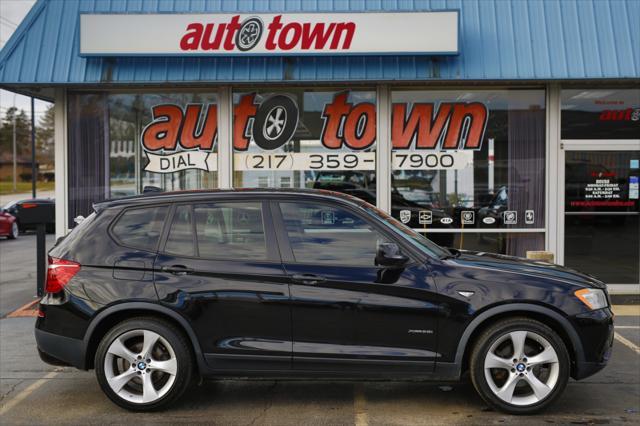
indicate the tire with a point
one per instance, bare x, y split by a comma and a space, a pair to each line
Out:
15, 232
249, 34
284, 109
509, 386
143, 385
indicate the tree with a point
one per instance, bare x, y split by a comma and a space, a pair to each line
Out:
45, 130
23, 134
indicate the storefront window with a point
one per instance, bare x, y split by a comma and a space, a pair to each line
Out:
120, 143
146, 131
301, 138
470, 159
601, 114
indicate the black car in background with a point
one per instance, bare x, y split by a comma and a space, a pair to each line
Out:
158, 290
17, 209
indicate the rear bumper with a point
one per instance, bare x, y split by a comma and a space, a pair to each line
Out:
60, 350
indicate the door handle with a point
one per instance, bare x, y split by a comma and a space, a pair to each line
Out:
308, 279
177, 269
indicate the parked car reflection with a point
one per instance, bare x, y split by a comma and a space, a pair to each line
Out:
416, 208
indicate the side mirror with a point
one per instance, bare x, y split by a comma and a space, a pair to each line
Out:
389, 255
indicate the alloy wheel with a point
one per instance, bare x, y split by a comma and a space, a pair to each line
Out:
521, 368
14, 230
140, 366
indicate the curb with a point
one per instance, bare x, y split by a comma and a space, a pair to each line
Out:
625, 299
28, 310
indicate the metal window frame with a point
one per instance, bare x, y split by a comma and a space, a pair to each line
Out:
553, 238
61, 164
383, 148
225, 133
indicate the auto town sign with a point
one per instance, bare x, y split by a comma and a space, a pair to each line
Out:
184, 137
269, 34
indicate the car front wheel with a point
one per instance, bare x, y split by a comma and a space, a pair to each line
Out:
14, 231
144, 364
519, 366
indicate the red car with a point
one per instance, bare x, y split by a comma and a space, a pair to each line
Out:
8, 225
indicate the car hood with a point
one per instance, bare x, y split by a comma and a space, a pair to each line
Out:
519, 265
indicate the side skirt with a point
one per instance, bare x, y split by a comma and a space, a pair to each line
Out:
255, 368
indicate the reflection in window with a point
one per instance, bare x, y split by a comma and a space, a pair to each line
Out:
230, 230
509, 243
128, 114
324, 234
106, 159
180, 240
306, 139
141, 228
600, 114
468, 159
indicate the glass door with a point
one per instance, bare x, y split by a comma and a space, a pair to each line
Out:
601, 212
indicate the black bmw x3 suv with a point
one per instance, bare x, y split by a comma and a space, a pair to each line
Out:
159, 290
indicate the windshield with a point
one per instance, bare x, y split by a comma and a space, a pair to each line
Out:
10, 204
415, 238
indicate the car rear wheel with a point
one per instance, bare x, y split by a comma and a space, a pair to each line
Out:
14, 231
144, 364
519, 366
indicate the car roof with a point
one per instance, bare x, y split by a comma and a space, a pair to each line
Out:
198, 195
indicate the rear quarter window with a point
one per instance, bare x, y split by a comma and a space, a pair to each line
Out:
140, 227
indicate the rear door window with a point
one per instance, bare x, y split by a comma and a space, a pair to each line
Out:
140, 227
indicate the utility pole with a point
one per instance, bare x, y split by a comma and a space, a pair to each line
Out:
34, 174
15, 167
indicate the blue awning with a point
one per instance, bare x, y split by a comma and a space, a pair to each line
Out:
500, 41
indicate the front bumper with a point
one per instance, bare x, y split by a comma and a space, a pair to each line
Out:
60, 350
596, 332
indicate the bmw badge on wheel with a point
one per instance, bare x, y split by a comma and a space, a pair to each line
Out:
249, 34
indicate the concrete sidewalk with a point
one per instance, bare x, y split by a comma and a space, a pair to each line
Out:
18, 271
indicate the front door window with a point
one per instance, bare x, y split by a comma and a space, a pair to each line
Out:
322, 234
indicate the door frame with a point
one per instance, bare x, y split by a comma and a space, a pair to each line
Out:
587, 145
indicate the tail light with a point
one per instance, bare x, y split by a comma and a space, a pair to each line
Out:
59, 273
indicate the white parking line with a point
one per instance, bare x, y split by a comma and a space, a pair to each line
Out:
627, 326
26, 392
359, 407
627, 343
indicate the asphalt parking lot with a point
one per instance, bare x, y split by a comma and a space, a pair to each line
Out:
32, 392
18, 271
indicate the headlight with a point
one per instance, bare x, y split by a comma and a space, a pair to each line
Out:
592, 297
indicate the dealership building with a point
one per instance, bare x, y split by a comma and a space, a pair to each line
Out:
496, 126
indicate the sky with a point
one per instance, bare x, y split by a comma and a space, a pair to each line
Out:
12, 12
